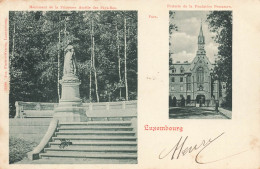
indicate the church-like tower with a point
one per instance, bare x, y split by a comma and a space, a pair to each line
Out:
193, 81
201, 42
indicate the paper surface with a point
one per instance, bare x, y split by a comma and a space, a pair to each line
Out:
237, 143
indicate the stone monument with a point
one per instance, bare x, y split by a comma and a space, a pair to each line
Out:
70, 107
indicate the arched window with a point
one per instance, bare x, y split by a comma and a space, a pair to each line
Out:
200, 78
200, 75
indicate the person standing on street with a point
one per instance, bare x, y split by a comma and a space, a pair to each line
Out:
217, 105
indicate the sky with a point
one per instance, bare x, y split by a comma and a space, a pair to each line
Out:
184, 41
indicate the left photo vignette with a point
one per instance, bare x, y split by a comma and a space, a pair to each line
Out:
73, 87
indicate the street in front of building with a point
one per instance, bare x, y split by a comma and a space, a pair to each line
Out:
195, 113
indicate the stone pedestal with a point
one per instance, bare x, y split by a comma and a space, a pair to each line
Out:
70, 106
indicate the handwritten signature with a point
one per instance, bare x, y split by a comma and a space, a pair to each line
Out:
179, 150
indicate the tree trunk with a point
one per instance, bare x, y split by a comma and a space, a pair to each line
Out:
126, 87
58, 75
91, 63
13, 42
65, 34
119, 63
95, 72
90, 81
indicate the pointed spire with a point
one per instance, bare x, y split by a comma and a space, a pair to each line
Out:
201, 36
201, 32
201, 40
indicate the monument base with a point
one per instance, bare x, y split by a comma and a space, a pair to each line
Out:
69, 117
70, 106
70, 113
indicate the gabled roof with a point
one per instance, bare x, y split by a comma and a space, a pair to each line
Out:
199, 58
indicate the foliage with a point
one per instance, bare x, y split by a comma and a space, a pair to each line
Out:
220, 22
34, 47
172, 28
18, 149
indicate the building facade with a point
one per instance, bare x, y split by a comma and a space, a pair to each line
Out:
194, 81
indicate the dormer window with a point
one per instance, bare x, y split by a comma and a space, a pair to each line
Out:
182, 70
174, 70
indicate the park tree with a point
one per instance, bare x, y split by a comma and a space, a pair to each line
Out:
26, 50
220, 22
172, 27
37, 43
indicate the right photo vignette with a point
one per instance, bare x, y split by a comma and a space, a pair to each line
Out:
200, 64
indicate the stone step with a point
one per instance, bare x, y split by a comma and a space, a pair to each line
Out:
94, 142
119, 133
68, 154
100, 128
93, 149
94, 138
67, 160
86, 146
96, 123
104, 143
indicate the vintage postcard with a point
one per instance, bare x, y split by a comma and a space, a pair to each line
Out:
129, 84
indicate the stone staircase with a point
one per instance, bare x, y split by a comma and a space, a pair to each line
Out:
100, 142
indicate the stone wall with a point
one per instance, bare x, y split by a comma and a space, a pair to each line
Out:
46, 110
32, 129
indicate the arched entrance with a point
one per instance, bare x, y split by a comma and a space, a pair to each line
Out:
200, 99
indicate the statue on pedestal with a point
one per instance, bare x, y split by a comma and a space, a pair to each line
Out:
69, 61
70, 105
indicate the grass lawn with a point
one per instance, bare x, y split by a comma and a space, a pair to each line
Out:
18, 149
